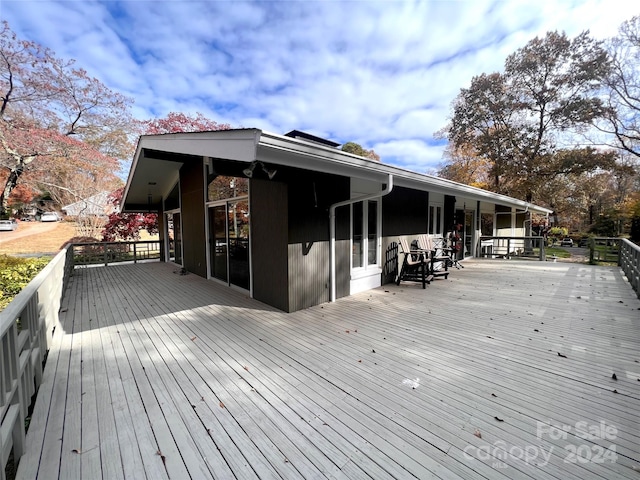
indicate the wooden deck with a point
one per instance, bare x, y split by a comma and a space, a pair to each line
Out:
158, 375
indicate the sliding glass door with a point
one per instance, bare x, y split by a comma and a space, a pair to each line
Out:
173, 233
219, 245
229, 242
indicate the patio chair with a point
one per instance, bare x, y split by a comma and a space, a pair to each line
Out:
414, 265
437, 260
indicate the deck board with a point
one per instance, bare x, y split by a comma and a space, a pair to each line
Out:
153, 374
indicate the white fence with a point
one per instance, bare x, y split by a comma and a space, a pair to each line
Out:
630, 262
26, 328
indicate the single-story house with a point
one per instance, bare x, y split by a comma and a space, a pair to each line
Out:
292, 219
96, 205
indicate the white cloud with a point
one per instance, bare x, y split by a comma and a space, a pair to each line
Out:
382, 73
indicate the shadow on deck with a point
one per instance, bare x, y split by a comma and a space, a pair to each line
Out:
502, 371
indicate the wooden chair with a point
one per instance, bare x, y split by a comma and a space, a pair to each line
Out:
438, 261
414, 265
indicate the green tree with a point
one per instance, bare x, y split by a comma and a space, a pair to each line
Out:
357, 149
524, 121
622, 120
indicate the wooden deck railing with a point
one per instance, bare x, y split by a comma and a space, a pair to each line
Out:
27, 325
115, 252
604, 249
507, 247
629, 260
26, 329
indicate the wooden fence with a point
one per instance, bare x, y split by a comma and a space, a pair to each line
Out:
507, 247
629, 261
104, 253
26, 329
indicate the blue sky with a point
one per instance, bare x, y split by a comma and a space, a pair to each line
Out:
380, 73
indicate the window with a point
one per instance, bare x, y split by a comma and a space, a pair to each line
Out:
223, 187
486, 224
435, 220
365, 234
358, 244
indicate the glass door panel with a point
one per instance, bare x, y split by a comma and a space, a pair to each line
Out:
238, 228
372, 233
468, 232
177, 238
219, 243
358, 244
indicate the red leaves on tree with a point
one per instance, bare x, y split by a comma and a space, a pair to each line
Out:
127, 226
176, 122
58, 126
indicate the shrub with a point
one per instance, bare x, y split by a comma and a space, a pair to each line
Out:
16, 273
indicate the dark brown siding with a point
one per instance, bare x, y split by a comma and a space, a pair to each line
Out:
450, 213
161, 230
269, 234
343, 252
193, 219
310, 196
404, 212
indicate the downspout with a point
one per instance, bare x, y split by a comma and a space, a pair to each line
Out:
332, 228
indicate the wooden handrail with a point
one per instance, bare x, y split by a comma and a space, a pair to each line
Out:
26, 329
507, 247
629, 261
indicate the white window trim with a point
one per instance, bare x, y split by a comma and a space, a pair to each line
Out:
439, 227
373, 269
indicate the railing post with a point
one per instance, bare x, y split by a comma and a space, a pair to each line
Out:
619, 243
135, 258
106, 260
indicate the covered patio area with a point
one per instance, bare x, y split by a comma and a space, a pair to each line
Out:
508, 369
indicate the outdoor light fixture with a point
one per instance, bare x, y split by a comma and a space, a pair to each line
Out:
270, 173
248, 172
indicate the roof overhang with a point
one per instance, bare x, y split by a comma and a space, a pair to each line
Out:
158, 160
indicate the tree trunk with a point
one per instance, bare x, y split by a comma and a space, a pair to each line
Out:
10, 184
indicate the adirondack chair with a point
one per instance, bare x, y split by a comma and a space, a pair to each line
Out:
415, 265
438, 261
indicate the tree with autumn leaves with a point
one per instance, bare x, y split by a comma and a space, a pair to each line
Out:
127, 226
64, 134
61, 131
523, 132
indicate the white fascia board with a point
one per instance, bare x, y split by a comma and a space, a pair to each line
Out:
132, 170
282, 150
237, 145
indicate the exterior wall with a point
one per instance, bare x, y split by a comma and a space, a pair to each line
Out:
310, 196
449, 212
404, 213
504, 225
161, 234
269, 237
193, 218
520, 230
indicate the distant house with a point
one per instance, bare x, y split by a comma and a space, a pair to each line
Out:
292, 219
96, 205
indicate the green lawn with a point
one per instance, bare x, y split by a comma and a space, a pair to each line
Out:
557, 252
